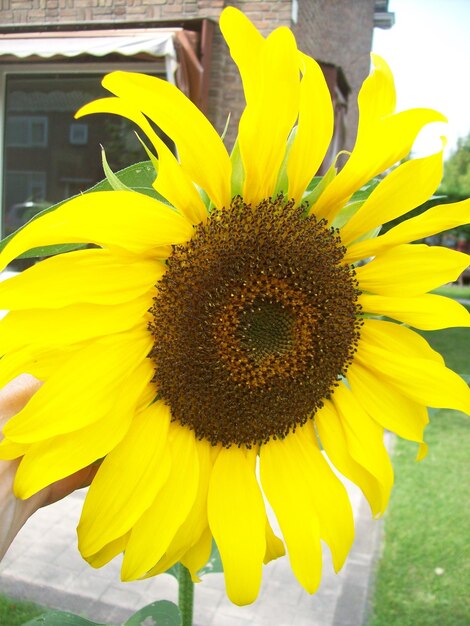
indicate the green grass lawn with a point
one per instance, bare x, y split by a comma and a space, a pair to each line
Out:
423, 576
15, 613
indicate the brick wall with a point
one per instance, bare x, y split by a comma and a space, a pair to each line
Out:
73, 11
335, 31
339, 32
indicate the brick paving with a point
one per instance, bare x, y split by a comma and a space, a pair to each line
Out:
43, 565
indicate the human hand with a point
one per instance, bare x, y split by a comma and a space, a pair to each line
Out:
13, 511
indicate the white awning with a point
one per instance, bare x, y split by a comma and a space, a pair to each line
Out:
153, 42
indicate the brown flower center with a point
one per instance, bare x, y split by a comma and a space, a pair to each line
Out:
255, 321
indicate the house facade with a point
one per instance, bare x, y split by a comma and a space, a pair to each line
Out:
53, 54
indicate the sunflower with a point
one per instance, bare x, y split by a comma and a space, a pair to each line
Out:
246, 321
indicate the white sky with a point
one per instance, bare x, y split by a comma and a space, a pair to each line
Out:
428, 49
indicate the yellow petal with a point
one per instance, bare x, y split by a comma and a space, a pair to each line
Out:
71, 324
274, 546
406, 187
425, 381
177, 187
10, 450
245, 44
95, 276
427, 312
411, 269
115, 106
195, 524
433, 221
288, 489
61, 456
383, 138
201, 151
198, 555
128, 480
330, 497
122, 219
396, 337
422, 451
314, 129
237, 519
364, 439
332, 435
172, 182
270, 115
377, 97
152, 535
109, 551
83, 390
386, 405
38, 361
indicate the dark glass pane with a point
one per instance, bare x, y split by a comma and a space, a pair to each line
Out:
49, 156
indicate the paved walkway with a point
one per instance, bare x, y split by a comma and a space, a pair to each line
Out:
43, 565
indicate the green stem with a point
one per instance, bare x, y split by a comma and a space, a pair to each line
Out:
185, 596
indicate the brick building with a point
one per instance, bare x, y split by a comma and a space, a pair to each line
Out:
54, 52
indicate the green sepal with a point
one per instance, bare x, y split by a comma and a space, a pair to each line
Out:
138, 177
318, 185
346, 213
364, 192
238, 173
227, 124
174, 571
355, 203
111, 177
282, 184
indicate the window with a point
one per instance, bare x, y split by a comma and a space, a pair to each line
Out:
26, 131
78, 134
47, 155
63, 154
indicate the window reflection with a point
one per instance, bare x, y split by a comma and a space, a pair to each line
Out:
49, 156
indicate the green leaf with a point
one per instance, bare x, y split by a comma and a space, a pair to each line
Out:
138, 177
58, 618
466, 378
161, 613
152, 158
214, 564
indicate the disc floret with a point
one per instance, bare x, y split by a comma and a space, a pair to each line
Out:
254, 322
